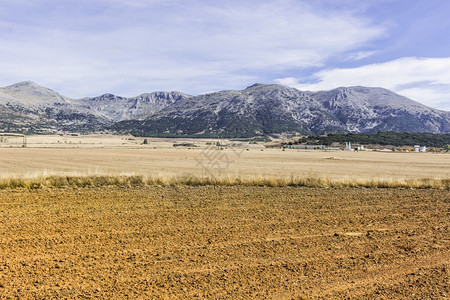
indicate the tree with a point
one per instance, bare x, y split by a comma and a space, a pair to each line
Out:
145, 142
446, 148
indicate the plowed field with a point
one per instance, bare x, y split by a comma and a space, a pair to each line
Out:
224, 243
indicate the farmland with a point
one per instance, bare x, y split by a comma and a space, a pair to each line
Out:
157, 225
116, 155
224, 242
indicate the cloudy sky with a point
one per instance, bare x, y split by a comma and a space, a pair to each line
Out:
128, 47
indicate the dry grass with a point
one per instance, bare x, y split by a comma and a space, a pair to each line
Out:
138, 180
33, 162
55, 161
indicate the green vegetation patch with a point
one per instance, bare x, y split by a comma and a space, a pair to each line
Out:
381, 138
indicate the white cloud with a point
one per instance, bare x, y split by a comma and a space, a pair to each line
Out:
426, 80
116, 46
437, 97
361, 55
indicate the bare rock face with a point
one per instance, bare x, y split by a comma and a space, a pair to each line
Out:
363, 109
28, 93
267, 109
257, 110
118, 108
40, 109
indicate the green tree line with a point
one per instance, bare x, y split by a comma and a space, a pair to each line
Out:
380, 138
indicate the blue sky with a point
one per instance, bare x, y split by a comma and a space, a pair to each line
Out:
128, 47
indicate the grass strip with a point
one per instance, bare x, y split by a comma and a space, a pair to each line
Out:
139, 180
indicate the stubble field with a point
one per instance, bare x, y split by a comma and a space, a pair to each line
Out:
118, 155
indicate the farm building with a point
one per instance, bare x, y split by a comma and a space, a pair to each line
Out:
354, 147
418, 148
348, 146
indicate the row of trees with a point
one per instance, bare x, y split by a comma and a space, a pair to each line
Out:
381, 138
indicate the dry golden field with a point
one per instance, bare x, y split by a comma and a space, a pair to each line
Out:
122, 155
184, 242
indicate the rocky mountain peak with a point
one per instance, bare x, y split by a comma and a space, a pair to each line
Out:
28, 93
262, 86
23, 84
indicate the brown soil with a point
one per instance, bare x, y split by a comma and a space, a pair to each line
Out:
224, 243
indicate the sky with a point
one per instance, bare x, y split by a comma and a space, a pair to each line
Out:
85, 48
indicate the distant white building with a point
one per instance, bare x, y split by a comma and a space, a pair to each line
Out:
356, 147
418, 148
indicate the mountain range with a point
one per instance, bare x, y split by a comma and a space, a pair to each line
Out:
260, 109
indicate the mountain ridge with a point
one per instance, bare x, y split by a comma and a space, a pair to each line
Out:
259, 109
